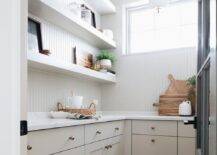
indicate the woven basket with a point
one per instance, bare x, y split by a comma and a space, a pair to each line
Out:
91, 111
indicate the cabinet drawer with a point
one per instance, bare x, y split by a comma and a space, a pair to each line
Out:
111, 146
186, 130
75, 151
99, 131
167, 128
46, 142
154, 145
186, 146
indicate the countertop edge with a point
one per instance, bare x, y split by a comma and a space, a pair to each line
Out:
69, 123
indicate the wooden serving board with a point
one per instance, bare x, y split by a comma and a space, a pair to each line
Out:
174, 96
177, 92
172, 100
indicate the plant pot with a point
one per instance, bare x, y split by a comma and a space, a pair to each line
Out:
105, 64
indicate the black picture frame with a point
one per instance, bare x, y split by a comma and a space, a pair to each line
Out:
93, 17
34, 36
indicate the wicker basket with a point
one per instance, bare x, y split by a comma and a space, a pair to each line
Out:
91, 111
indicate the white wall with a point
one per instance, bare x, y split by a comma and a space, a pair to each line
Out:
142, 77
46, 89
12, 48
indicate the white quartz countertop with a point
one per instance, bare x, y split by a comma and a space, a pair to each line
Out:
42, 121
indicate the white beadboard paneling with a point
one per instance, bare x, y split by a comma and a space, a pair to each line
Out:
142, 77
61, 42
46, 89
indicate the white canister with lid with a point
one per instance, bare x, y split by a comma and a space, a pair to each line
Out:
185, 108
75, 101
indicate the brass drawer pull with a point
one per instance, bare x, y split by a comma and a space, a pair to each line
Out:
153, 141
117, 129
29, 147
153, 128
72, 138
107, 147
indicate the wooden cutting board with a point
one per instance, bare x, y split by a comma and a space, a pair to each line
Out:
176, 93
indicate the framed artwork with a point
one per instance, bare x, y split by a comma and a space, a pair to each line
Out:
82, 58
34, 36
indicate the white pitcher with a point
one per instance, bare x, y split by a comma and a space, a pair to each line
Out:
185, 108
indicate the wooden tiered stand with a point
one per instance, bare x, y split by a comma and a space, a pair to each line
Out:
177, 92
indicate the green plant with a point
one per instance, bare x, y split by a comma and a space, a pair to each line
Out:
106, 55
192, 80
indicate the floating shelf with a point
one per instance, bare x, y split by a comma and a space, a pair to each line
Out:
103, 7
47, 63
53, 12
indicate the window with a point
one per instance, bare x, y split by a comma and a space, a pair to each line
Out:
151, 29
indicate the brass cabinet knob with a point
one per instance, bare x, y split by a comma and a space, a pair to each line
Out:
29, 147
117, 129
72, 138
153, 128
153, 140
107, 147
98, 132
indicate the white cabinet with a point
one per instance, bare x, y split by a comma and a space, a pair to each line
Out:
102, 139
186, 146
100, 131
162, 128
50, 141
111, 146
97, 148
186, 130
76, 151
154, 145
186, 139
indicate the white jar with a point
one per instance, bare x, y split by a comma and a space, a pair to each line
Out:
105, 64
75, 101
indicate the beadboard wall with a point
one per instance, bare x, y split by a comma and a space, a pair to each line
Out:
44, 88
142, 77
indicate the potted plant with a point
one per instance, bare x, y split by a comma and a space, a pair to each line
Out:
105, 59
192, 91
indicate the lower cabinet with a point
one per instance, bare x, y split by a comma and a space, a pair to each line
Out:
154, 145
112, 146
186, 146
75, 151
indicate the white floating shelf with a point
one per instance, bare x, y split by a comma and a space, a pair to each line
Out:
103, 7
53, 12
47, 63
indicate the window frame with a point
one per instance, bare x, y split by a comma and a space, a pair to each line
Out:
126, 9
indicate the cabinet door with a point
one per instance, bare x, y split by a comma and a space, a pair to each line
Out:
115, 148
154, 145
50, 141
76, 151
97, 148
186, 146
111, 146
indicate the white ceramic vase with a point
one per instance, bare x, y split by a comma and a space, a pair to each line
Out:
105, 64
